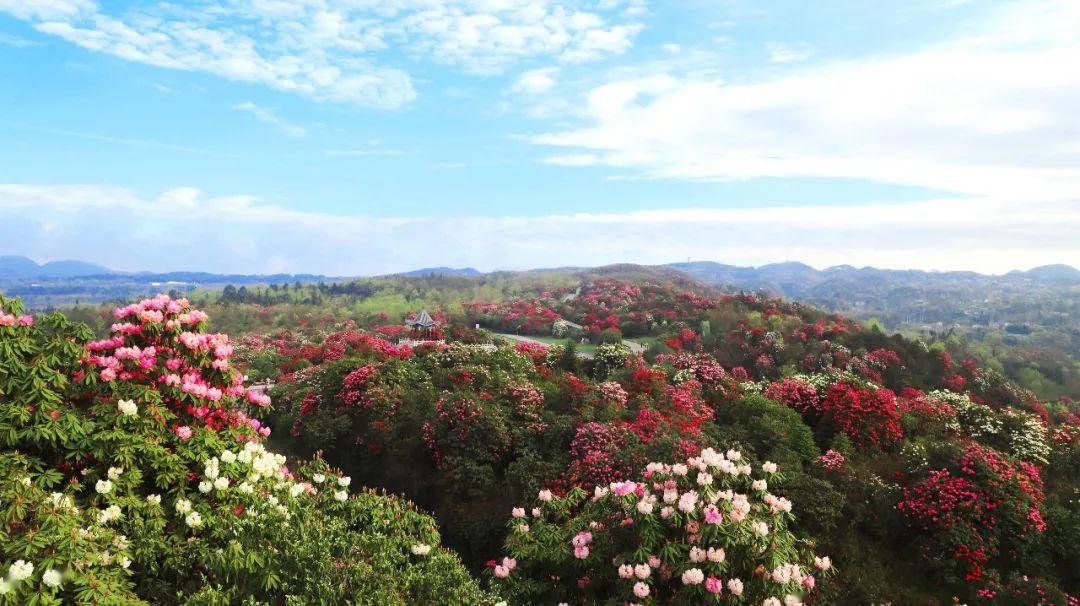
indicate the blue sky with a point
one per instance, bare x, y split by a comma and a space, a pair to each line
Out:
362, 136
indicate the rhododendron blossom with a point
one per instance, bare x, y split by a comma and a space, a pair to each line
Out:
702, 528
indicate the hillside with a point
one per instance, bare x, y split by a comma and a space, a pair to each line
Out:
881, 469
1026, 323
871, 431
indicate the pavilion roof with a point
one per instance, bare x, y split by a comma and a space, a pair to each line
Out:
422, 320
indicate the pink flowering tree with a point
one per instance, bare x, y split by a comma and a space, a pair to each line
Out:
159, 354
705, 531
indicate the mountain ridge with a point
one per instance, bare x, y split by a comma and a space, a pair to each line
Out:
22, 267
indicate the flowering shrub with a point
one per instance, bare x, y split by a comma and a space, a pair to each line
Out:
794, 392
602, 453
977, 509
1019, 433
832, 461
704, 368
609, 358
132, 472
868, 416
697, 532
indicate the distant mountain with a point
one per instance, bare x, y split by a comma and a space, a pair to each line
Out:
1051, 273
799, 280
18, 267
439, 271
1040, 306
64, 282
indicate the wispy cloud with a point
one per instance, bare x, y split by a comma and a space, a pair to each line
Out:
16, 41
786, 53
537, 81
335, 50
130, 141
161, 88
267, 116
372, 147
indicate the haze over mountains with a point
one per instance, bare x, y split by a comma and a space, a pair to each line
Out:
791, 279
1037, 307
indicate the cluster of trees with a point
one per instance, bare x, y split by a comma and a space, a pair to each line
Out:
133, 471
1034, 341
923, 478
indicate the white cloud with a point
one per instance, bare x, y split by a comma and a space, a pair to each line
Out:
537, 81
16, 41
364, 151
128, 141
267, 116
333, 50
241, 233
785, 53
47, 9
161, 88
991, 113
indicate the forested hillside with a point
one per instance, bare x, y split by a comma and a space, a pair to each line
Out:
645, 439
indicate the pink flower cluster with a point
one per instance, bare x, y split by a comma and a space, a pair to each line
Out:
153, 311
705, 367
610, 392
503, 570
700, 518
581, 544
11, 320
832, 461
158, 343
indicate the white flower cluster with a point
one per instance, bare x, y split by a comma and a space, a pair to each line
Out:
110, 513
127, 408
61, 502
976, 420
1026, 436
22, 570
245, 471
421, 549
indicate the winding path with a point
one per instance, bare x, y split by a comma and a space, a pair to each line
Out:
633, 346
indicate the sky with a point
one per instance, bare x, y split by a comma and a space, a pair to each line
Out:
356, 137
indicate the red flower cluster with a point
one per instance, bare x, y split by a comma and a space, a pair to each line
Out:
869, 417
796, 393
969, 511
913, 401
685, 340
598, 452
352, 392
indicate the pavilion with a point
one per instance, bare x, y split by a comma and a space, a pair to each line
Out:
421, 322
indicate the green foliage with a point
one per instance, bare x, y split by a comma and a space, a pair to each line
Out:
104, 502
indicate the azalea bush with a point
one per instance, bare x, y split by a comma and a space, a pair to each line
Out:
708, 530
133, 471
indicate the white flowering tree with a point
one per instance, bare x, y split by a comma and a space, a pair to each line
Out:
705, 531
